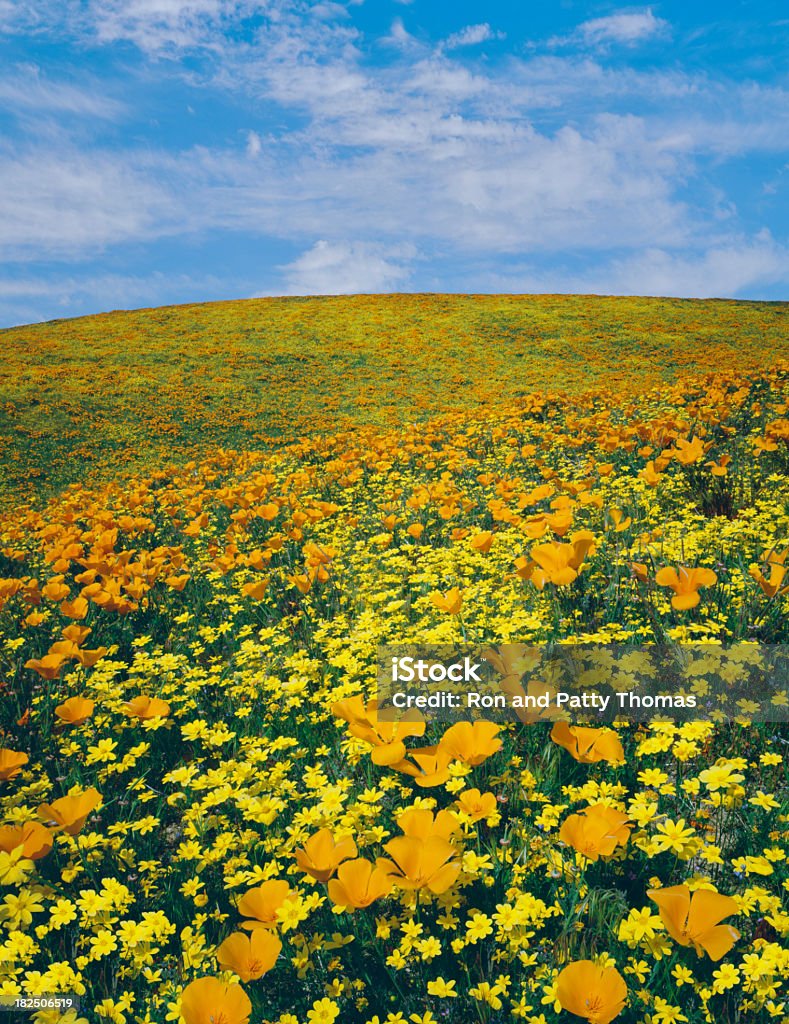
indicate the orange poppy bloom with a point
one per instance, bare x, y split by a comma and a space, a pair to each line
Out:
429, 766
650, 475
695, 920
49, 666
588, 745
513, 659
419, 823
596, 831
76, 634
470, 742
482, 542
256, 590
35, 839
774, 563
11, 762
358, 884
685, 583
76, 609
211, 1001
249, 956
146, 707
451, 602
721, 467
560, 563
420, 863
385, 737
595, 993
89, 658
75, 710
262, 903
688, 452
322, 855
476, 805
70, 813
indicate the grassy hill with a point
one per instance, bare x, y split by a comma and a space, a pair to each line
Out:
122, 390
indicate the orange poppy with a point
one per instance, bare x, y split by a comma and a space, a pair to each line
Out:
476, 805
358, 884
322, 854
419, 823
420, 863
146, 707
250, 956
70, 813
471, 742
211, 1001
695, 920
385, 737
75, 710
429, 766
588, 745
11, 762
450, 603
596, 831
35, 839
595, 993
262, 903
685, 583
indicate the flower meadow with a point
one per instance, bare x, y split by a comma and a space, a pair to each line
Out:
203, 817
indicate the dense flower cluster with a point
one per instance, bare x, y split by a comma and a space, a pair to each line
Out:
203, 816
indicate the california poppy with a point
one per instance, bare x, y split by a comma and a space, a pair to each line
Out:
429, 766
250, 956
451, 602
358, 884
385, 737
262, 903
211, 1001
11, 762
596, 831
70, 813
420, 863
590, 991
322, 854
419, 823
685, 583
476, 805
471, 742
146, 707
588, 745
35, 839
75, 710
695, 920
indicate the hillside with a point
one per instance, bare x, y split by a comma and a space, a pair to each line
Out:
122, 390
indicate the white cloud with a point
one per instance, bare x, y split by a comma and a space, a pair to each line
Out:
254, 145
733, 268
26, 89
347, 268
471, 35
65, 203
626, 28
726, 270
31, 299
399, 36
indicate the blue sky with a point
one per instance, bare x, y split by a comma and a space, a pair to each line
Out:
166, 151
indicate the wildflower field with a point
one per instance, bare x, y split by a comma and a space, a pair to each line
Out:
212, 517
